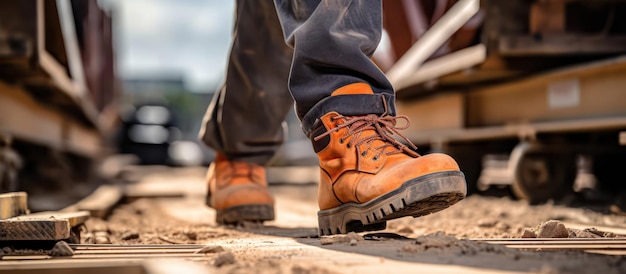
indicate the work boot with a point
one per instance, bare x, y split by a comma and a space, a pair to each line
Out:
238, 192
369, 177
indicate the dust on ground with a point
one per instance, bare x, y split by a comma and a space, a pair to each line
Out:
435, 243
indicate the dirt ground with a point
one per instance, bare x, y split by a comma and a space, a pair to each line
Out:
437, 243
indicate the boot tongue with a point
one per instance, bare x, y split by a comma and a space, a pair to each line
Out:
362, 88
356, 88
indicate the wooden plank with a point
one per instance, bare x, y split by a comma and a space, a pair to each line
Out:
136, 251
101, 266
134, 246
101, 201
66, 266
25, 229
148, 189
13, 204
434, 113
107, 256
74, 218
37, 124
41, 226
586, 91
522, 45
43, 125
515, 130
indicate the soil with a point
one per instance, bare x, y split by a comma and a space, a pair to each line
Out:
435, 243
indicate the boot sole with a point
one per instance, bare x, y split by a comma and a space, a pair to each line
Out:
245, 213
417, 197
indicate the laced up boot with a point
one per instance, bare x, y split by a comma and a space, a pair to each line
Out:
369, 177
238, 192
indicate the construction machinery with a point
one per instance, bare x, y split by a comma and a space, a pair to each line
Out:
58, 91
526, 94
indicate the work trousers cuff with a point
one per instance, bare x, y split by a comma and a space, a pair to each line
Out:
349, 105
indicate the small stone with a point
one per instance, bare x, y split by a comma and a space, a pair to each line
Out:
61, 249
353, 236
102, 237
223, 258
552, 229
251, 225
502, 226
406, 230
353, 242
348, 238
87, 238
191, 235
210, 249
129, 235
528, 233
6, 250
327, 241
577, 233
102, 240
487, 223
412, 248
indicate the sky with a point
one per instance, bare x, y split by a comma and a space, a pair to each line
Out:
172, 37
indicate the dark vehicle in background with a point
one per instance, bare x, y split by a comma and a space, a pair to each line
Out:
148, 132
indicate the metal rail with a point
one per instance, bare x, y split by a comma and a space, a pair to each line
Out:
108, 252
609, 246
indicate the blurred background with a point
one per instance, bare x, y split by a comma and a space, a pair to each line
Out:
526, 94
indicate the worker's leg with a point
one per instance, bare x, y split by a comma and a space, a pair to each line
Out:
333, 42
244, 119
347, 109
243, 122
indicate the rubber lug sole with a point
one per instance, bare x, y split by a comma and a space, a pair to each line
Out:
417, 197
245, 213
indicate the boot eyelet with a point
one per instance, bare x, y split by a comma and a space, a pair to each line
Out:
375, 158
341, 140
349, 145
364, 153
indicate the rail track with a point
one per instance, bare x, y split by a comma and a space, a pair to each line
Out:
109, 251
609, 246
173, 258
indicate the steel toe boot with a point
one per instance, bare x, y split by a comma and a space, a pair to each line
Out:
238, 192
369, 177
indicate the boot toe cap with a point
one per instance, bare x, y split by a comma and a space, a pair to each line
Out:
239, 195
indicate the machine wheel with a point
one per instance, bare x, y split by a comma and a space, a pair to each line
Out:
540, 176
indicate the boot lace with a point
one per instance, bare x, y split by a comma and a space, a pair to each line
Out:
386, 130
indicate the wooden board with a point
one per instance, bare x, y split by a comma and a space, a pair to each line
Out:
21, 228
101, 201
561, 44
75, 218
13, 204
591, 90
103, 266
42, 226
433, 114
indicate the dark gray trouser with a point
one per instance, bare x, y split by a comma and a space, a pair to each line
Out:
332, 43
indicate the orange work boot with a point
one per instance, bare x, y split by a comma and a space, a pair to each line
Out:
238, 192
368, 177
